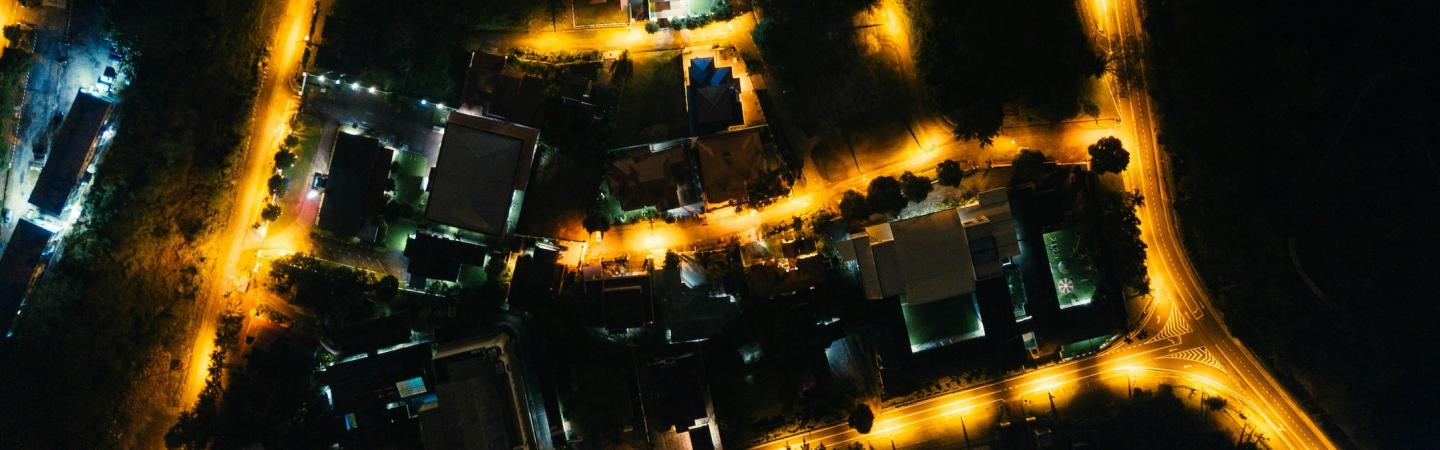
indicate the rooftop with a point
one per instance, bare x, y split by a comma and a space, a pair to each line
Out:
714, 97
70, 153
502, 93
355, 190
664, 180
483, 163
477, 407
730, 162
437, 258
20, 264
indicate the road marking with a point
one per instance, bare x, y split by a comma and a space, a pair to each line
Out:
1200, 355
1175, 326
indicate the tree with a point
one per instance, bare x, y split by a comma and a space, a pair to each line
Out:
884, 195
278, 184
284, 159
291, 141
651, 27
1028, 166
387, 288
1108, 155
854, 207
270, 213
949, 173
862, 419
597, 219
1215, 403
915, 187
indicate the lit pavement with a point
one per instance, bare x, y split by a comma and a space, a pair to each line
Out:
274, 106
1187, 340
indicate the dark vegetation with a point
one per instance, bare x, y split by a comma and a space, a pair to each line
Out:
949, 173
333, 291
915, 187
1029, 165
1146, 420
414, 48
1303, 140
15, 67
800, 39
981, 57
861, 418
129, 279
1109, 155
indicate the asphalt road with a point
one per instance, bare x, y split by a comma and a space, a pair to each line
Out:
274, 105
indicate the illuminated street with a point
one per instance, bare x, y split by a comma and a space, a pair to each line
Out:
1186, 337
238, 241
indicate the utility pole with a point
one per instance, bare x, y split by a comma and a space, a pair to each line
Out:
1054, 414
965, 430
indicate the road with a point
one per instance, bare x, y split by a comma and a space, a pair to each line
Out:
236, 242
1187, 342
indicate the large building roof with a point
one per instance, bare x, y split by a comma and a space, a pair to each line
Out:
477, 402
70, 153
934, 257
19, 265
482, 163
730, 162
355, 191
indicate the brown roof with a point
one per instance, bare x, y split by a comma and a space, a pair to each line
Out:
729, 162
664, 179
482, 162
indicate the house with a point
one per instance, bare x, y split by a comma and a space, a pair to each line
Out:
71, 153
480, 176
377, 392
25, 257
440, 258
616, 299
678, 409
485, 399
505, 94
354, 196
733, 161
713, 97
933, 264
664, 179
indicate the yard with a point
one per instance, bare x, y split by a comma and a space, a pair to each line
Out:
652, 100
590, 13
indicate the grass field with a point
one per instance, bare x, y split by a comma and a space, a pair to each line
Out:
1072, 267
588, 13
652, 102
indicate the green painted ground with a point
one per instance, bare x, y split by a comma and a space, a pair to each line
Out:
1072, 267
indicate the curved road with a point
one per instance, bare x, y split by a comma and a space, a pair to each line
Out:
1188, 340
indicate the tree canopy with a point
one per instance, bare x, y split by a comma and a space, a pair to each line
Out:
980, 56
1029, 165
915, 187
949, 173
1108, 155
853, 207
885, 195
